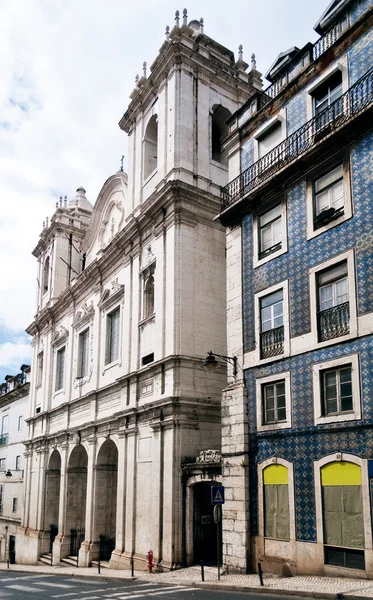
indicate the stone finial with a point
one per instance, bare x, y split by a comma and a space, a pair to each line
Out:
57, 204
177, 20
167, 34
240, 52
185, 17
144, 65
47, 222
43, 224
137, 79
201, 25
253, 63
65, 201
121, 163
60, 201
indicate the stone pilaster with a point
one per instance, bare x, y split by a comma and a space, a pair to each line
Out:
235, 442
121, 502
60, 545
85, 548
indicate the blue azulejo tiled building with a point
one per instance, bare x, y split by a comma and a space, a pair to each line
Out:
298, 417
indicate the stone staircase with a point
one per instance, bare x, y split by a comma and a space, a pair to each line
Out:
104, 564
70, 561
46, 559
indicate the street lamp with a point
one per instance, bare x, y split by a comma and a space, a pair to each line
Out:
210, 363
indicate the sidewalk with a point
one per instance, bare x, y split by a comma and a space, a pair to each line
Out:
315, 587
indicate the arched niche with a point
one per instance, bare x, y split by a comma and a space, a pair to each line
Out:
219, 131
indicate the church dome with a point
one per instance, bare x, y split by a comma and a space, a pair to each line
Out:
80, 200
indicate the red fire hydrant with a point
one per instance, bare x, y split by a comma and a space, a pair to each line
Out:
150, 561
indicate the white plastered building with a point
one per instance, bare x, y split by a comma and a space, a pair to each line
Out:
131, 296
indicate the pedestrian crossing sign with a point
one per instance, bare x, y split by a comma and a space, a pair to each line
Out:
217, 494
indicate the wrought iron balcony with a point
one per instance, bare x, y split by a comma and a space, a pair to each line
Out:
354, 101
272, 342
334, 322
320, 46
3, 439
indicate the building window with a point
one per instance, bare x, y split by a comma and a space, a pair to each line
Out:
151, 147
20, 423
18, 463
4, 430
333, 302
336, 390
2, 464
274, 402
327, 103
15, 505
60, 369
147, 359
343, 518
1, 499
45, 281
112, 336
272, 324
83, 349
219, 131
276, 502
268, 140
39, 370
328, 197
148, 297
270, 232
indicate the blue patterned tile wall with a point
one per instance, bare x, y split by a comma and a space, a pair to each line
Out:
247, 154
305, 442
358, 8
360, 57
303, 254
296, 113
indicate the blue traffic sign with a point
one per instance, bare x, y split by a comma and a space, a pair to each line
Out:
217, 494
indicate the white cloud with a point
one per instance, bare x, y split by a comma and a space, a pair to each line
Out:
13, 354
67, 69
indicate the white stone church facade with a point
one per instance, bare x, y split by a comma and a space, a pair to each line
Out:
131, 296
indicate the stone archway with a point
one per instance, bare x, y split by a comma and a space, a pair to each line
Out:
76, 498
105, 500
52, 500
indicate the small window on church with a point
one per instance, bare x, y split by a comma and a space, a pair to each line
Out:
151, 147
46, 275
149, 297
219, 131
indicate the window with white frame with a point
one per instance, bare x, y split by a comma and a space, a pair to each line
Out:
269, 139
270, 231
336, 390
60, 368
272, 324
2, 464
112, 336
15, 505
151, 147
20, 423
327, 96
18, 463
83, 350
148, 308
328, 197
39, 368
333, 302
273, 402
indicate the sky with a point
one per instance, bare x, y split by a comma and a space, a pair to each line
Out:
67, 68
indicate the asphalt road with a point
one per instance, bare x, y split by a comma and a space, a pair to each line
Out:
23, 586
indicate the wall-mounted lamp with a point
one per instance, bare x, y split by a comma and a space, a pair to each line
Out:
210, 363
8, 473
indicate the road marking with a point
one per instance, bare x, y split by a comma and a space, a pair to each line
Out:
59, 585
68, 594
24, 588
152, 593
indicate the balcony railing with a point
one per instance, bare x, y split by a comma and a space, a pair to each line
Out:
272, 342
358, 97
3, 439
320, 46
334, 322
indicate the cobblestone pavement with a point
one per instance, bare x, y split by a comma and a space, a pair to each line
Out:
312, 586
